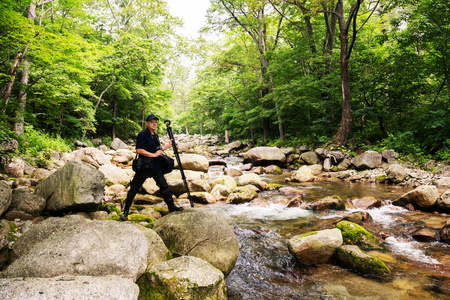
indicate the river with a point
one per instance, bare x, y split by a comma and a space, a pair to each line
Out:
266, 270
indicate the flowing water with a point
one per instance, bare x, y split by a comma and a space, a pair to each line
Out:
266, 270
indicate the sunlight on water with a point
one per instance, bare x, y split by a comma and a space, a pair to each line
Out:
387, 215
410, 250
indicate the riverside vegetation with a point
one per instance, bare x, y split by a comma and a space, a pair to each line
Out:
66, 215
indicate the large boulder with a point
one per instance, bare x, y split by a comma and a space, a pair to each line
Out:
41, 231
315, 247
25, 206
443, 203
422, 197
329, 202
242, 194
396, 173
355, 234
15, 167
303, 174
225, 180
9, 145
76, 186
124, 156
5, 196
367, 160
118, 144
95, 248
251, 179
115, 174
310, 157
352, 257
234, 146
69, 287
194, 162
92, 156
197, 182
157, 250
184, 277
212, 236
262, 156
442, 182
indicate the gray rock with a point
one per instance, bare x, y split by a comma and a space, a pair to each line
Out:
396, 173
8, 145
181, 231
197, 182
422, 197
261, 156
389, 155
344, 165
15, 167
442, 182
443, 203
330, 202
367, 160
76, 186
303, 174
95, 248
315, 247
5, 196
234, 146
186, 277
352, 257
118, 144
251, 179
25, 206
89, 155
327, 164
194, 162
68, 287
115, 174
227, 181
157, 251
310, 157
336, 157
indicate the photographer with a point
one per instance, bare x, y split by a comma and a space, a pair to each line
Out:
147, 144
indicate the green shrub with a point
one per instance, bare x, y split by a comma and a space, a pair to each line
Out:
39, 145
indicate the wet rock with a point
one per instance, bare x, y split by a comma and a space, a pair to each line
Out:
289, 191
330, 202
118, 144
443, 203
76, 186
367, 160
246, 167
233, 172
304, 174
25, 206
315, 247
68, 287
366, 203
94, 248
264, 156
251, 179
444, 233
194, 162
181, 231
352, 257
295, 202
184, 277
257, 170
423, 235
355, 234
358, 217
423, 197
396, 173
5, 196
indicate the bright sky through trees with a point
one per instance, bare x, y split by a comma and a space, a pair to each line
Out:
192, 12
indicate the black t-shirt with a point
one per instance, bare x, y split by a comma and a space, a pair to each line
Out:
145, 141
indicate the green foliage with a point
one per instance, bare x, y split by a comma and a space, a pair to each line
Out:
39, 145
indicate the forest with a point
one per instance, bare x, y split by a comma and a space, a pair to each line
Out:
343, 73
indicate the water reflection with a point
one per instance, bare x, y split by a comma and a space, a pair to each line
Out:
266, 270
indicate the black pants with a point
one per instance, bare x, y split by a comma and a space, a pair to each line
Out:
139, 179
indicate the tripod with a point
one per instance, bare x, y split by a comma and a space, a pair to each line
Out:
177, 156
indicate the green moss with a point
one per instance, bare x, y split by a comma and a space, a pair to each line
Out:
148, 292
108, 182
109, 208
365, 265
381, 178
141, 218
273, 186
355, 234
308, 234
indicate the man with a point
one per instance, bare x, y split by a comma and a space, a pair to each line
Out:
147, 144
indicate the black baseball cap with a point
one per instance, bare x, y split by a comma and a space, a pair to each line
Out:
151, 117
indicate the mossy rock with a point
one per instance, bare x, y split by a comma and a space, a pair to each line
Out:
353, 258
109, 208
273, 186
141, 218
355, 234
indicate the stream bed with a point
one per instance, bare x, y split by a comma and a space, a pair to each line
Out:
266, 270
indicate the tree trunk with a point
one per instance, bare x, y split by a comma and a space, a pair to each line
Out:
22, 99
114, 118
6, 93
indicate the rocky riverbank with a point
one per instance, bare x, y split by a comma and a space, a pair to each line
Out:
64, 214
